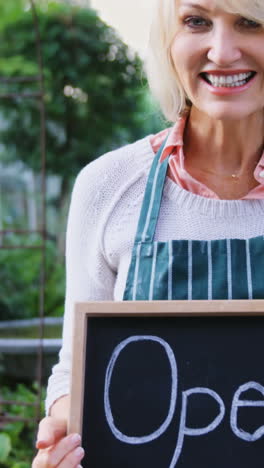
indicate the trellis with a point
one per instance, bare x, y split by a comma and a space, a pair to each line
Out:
39, 95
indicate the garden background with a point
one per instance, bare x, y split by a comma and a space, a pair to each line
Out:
70, 90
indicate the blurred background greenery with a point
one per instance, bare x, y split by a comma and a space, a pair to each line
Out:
96, 99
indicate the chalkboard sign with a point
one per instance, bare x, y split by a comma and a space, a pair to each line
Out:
169, 384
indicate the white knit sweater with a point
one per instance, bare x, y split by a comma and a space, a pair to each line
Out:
102, 223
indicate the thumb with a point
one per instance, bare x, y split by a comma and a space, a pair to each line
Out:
50, 431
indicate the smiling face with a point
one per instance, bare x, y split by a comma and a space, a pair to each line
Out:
219, 59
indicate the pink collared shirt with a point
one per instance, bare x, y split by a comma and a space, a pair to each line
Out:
178, 173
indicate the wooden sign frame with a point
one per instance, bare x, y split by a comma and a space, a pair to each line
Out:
135, 309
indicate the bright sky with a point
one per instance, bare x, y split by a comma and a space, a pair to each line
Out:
131, 18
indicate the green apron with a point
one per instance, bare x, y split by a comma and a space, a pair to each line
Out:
189, 269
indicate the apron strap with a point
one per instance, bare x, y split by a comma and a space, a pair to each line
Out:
152, 199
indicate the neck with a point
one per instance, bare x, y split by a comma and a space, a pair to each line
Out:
223, 147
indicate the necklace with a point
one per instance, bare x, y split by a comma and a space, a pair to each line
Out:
233, 176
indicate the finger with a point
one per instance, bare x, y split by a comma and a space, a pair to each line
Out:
72, 459
41, 460
65, 447
50, 431
52, 457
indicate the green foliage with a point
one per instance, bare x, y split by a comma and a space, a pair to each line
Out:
20, 271
94, 89
14, 64
5, 447
10, 11
17, 438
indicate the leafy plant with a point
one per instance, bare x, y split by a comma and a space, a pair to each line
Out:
20, 280
10, 11
5, 447
94, 89
95, 94
17, 438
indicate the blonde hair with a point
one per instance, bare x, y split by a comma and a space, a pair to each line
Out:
162, 77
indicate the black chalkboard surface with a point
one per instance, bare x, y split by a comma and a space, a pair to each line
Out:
170, 389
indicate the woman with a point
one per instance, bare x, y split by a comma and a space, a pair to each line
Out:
200, 231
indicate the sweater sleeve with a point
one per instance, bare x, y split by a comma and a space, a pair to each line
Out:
89, 276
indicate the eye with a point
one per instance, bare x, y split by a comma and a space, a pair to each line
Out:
196, 22
249, 24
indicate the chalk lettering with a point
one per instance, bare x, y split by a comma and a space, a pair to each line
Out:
173, 397
237, 403
185, 430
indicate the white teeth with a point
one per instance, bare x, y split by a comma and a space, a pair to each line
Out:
228, 81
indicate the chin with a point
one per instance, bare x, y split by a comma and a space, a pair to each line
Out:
228, 111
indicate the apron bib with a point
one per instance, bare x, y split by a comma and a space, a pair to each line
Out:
189, 269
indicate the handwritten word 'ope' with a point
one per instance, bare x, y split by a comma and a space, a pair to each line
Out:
184, 430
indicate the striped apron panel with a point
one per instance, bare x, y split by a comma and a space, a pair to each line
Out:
189, 269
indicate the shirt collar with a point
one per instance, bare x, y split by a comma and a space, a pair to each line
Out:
175, 138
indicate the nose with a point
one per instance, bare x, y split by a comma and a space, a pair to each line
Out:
224, 48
